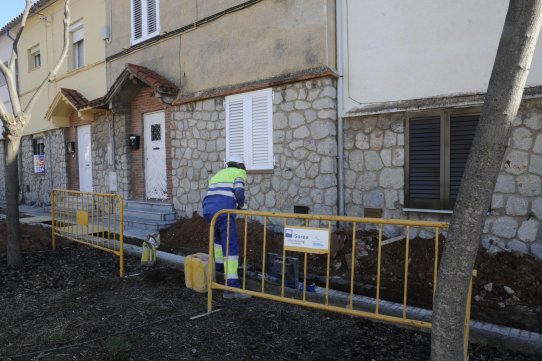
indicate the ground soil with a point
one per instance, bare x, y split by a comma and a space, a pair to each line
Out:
522, 274
71, 304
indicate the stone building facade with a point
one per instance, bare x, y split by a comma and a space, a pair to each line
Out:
305, 150
109, 132
35, 187
374, 177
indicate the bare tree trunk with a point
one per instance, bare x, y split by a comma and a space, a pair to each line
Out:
514, 55
11, 151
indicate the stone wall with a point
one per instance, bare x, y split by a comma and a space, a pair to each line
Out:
36, 188
516, 208
102, 167
304, 136
374, 177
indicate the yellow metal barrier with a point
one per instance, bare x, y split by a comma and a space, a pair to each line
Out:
93, 219
306, 219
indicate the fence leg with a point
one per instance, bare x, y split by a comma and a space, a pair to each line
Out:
53, 239
467, 320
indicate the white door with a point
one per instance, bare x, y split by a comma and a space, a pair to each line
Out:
155, 156
84, 155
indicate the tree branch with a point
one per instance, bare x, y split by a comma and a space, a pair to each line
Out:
63, 55
10, 78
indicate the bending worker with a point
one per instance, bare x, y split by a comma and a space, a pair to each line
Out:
227, 191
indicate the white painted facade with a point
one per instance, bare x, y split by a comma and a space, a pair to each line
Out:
413, 49
5, 54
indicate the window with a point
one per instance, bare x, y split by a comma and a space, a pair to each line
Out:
145, 20
78, 42
438, 145
38, 146
249, 128
34, 58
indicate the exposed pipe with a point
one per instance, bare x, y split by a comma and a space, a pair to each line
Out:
480, 332
340, 97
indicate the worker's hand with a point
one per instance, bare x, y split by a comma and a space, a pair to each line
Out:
244, 207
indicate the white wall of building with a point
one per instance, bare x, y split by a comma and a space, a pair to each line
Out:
5, 54
411, 49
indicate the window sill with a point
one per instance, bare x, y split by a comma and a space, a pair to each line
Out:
261, 171
422, 210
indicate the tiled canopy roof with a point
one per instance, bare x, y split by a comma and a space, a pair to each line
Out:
152, 79
163, 88
78, 101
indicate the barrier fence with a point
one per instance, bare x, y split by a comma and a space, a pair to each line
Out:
92, 219
305, 239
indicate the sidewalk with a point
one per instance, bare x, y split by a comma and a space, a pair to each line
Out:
31, 214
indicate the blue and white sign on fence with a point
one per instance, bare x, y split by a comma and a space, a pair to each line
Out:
306, 239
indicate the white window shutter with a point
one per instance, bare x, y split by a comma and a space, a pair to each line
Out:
249, 128
235, 133
152, 16
261, 130
137, 20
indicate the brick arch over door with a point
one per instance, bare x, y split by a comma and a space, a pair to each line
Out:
146, 102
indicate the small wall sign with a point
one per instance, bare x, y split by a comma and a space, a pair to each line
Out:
306, 239
39, 164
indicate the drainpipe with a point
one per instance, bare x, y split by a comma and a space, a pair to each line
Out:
339, 8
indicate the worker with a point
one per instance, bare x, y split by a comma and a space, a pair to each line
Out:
227, 191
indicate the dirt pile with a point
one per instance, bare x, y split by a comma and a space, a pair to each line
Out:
522, 274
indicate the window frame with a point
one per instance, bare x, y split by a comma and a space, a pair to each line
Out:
444, 203
34, 57
77, 36
248, 134
145, 35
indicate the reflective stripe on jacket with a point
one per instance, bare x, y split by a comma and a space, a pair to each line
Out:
226, 190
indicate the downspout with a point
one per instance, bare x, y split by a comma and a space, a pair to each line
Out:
339, 7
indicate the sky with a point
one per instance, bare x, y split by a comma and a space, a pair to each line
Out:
9, 10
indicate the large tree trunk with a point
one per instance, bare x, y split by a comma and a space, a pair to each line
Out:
514, 55
11, 151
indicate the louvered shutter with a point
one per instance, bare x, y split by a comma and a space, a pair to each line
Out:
261, 130
424, 162
462, 129
152, 17
235, 128
137, 20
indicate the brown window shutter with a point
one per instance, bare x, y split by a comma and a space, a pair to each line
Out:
462, 129
424, 162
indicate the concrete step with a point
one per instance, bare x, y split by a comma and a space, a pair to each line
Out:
146, 224
149, 206
150, 216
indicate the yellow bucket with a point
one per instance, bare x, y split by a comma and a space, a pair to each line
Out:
196, 267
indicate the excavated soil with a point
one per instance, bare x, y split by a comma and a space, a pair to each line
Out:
522, 274
71, 305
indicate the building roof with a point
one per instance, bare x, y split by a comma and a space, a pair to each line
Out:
38, 4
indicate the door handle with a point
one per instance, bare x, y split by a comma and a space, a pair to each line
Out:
156, 148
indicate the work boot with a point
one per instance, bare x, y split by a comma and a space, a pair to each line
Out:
230, 295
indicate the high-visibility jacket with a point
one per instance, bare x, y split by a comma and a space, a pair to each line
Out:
226, 190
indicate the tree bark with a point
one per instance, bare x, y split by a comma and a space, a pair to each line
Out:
14, 125
505, 90
11, 151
